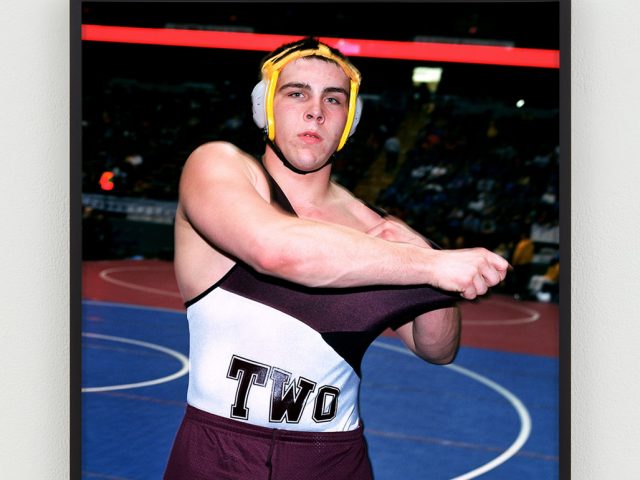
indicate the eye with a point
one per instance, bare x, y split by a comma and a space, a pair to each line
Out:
334, 100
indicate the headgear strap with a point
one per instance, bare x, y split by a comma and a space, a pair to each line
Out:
271, 70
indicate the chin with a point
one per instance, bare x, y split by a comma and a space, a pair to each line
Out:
305, 161
309, 167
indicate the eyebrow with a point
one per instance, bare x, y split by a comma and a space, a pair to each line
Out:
306, 86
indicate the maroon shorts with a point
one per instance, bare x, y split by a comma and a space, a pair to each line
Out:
215, 448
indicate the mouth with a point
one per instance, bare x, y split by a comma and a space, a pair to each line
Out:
310, 137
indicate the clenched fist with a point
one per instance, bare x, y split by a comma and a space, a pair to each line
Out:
469, 271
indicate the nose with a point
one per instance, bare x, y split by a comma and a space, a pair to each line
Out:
314, 112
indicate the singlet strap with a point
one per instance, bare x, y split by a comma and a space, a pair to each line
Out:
279, 198
277, 195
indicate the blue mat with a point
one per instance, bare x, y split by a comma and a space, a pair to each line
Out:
490, 414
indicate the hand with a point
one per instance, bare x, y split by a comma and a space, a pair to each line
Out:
469, 271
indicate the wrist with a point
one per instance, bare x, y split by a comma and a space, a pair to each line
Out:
428, 265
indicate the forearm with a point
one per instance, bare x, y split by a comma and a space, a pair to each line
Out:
235, 218
223, 202
317, 254
434, 336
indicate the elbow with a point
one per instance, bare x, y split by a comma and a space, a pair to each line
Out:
436, 336
267, 260
277, 262
439, 358
444, 360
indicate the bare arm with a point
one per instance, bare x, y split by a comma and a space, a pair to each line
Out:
434, 336
219, 197
451, 263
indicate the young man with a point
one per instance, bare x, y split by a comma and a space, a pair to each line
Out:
288, 278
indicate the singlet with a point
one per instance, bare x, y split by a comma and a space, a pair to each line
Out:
273, 353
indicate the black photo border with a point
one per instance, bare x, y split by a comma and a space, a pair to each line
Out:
75, 244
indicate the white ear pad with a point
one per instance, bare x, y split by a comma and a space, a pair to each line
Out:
356, 116
258, 104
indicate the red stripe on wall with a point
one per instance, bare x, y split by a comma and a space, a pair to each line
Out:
425, 51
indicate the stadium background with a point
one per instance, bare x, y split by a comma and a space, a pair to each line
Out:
474, 169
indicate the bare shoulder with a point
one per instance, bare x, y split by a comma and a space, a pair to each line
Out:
217, 148
219, 157
219, 173
356, 206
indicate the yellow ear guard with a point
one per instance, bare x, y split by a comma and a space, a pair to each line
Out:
264, 92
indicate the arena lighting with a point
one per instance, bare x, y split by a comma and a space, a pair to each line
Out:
106, 181
424, 51
426, 75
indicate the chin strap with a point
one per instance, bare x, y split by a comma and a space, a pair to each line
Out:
286, 162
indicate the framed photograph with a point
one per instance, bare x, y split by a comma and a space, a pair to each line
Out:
463, 135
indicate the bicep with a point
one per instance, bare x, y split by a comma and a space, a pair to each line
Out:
434, 335
221, 200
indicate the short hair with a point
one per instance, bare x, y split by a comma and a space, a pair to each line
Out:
306, 43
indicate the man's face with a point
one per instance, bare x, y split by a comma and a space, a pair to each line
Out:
310, 108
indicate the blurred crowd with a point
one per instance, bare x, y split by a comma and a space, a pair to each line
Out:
476, 178
468, 174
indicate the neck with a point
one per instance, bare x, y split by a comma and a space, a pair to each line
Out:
274, 147
308, 188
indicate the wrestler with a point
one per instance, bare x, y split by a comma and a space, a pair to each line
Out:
288, 277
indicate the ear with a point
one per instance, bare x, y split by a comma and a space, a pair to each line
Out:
258, 102
356, 115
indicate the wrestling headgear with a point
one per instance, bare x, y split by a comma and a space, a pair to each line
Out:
263, 93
